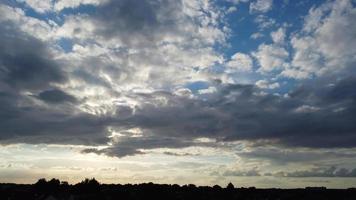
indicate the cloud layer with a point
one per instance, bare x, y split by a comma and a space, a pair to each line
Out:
132, 77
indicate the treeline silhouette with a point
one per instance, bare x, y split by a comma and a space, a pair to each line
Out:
89, 189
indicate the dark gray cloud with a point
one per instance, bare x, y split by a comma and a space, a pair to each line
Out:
331, 171
251, 172
56, 96
138, 22
25, 62
114, 152
90, 78
283, 156
33, 125
238, 112
125, 146
26, 65
320, 172
310, 117
180, 154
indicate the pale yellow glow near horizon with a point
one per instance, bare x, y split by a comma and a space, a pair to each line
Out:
27, 163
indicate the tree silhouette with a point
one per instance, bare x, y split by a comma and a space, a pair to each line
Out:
230, 186
91, 189
88, 186
44, 186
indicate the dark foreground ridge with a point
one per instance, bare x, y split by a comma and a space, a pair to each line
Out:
92, 189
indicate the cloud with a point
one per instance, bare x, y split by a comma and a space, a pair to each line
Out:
264, 22
240, 62
35, 126
306, 109
150, 47
251, 172
238, 112
320, 172
235, 112
59, 5
40, 6
263, 84
294, 155
261, 6
237, 1
295, 73
231, 9
279, 35
325, 45
130, 66
32, 26
115, 152
56, 96
26, 61
180, 154
126, 145
117, 64
27, 68
147, 23
209, 90
271, 57
47, 6
256, 35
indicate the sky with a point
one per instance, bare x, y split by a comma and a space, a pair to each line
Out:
254, 92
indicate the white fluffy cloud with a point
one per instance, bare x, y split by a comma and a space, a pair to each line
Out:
38, 28
264, 22
279, 35
256, 35
178, 47
270, 57
208, 90
40, 6
295, 73
240, 62
62, 4
231, 9
156, 45
326, 44
264, 84
261, 6
43, 6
